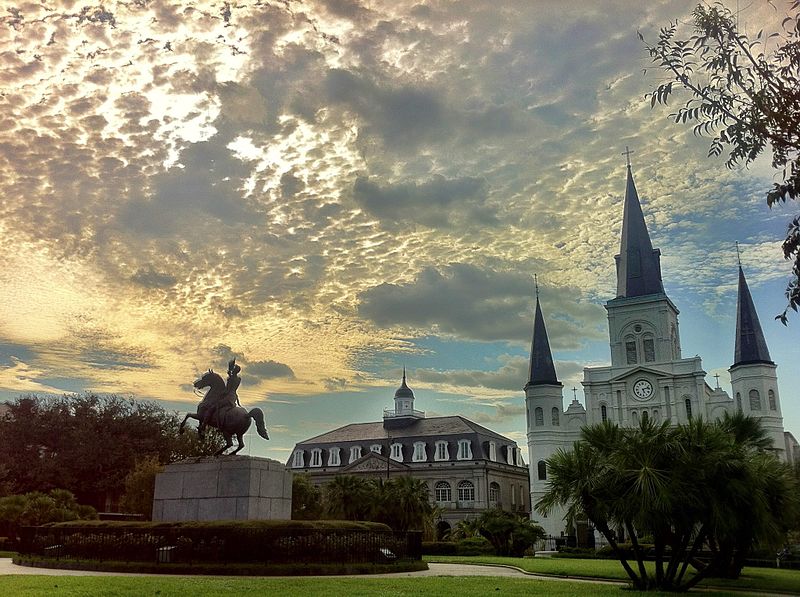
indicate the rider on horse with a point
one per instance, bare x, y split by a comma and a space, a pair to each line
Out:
228, 400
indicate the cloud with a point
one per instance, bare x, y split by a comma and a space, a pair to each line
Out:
438, 202
466, 301
269, 370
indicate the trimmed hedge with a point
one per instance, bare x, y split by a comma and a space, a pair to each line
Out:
473, 546
226, 524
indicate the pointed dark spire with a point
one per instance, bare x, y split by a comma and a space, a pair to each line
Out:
638, 264
750, 344
542, 369
404, 391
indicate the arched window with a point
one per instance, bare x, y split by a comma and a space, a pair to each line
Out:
442, 453
771, 398
397, 452
419, 452
538, 415
755, 400
464, 450
441, 492
297, 462
555, 416
688, 403
603, 413
466, 491
316, 457
635, 417
494, 493
630, 350
355, 453
645, 416
656, 416
738, 402
333, 457
649, 346
541, 469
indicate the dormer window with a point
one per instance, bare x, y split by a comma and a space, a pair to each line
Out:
333, 457
419, 452
510, 454
493, 451
397, 452
375, 448
355, 453
464, 449
297, 462
316, 457
442, 453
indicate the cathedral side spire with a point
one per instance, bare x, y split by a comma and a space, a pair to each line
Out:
751, 347
638, 264
542, 369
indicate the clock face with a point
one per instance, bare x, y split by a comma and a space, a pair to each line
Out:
642, 389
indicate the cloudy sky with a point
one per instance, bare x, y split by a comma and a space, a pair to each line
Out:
332, 190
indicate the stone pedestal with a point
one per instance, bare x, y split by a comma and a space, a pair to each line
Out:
223, 488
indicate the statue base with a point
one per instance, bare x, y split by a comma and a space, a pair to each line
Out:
223, 488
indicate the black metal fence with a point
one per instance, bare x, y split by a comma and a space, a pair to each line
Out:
233, 544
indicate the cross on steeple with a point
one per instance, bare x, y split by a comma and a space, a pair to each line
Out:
738, 254
627, 153
574, 393
536, 285
717, 378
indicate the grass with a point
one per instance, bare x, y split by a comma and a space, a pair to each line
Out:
7, 554
120, 586
761, 579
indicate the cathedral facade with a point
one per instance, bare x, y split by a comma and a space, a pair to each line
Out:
648, 377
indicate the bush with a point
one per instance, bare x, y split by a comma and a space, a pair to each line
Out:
439, 548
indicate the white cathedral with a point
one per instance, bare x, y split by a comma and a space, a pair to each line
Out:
647, 377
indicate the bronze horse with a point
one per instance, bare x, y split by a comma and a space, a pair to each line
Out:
230, 420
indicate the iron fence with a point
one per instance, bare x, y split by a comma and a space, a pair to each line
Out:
222, 544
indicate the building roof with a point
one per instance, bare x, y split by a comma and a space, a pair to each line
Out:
542, 370
638, 264
404, 391
751, 347
429, 427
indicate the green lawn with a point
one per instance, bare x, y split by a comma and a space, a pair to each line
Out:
108, 586
762, 579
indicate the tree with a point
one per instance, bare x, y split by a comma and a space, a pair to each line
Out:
88, 444
306, 498
140, 487
36, 508
745, 94
510, 534
348, 497
403, 503
686, 486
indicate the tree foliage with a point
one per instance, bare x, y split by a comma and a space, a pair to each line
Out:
745, 94
140, 487
510, 534
689, 486
36, 508
88, 444
306, 498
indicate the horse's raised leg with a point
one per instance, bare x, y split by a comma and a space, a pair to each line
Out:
186, 418
228, 443
240, 438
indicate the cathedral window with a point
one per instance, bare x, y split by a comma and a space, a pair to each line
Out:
441, 492
688, 403
738, 402
355, 453
397, 452
645, 417
635, 417
649, 349
466, 491
316, 457
603, 413
630, 351
333, 457
755, 400
541, 470
297, 462
494, 493
493, 451
656, 416
464, 449
442, 453
419, 452
538, 416
555, 416
771, 397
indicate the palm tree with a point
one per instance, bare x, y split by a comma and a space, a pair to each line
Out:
348, 497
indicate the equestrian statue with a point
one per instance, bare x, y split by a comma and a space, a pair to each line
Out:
221, 410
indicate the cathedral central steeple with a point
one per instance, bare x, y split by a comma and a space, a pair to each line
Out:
638, 264
751, 347
542, 370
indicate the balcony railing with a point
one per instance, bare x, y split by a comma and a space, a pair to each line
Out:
390, 414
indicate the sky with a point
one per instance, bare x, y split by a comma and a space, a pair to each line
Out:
331, 191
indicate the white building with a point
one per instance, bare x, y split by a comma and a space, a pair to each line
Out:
648, 376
